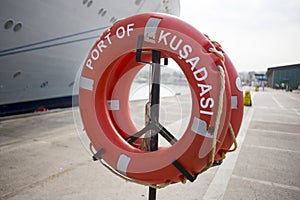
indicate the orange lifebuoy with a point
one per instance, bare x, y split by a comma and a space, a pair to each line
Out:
104, 94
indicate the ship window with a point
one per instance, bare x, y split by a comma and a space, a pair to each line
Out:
137, 2
8, 24
44, 84
113, 19
100, 11
17, 27
89, 3
71, 84
18, 73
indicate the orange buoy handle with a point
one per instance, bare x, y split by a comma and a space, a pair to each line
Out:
187, 174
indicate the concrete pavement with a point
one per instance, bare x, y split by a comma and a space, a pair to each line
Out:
41, 157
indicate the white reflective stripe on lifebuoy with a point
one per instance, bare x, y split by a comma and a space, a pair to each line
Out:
86, 83
113, 104
234, 102
200, 127
150, 30
238, 84
123, 163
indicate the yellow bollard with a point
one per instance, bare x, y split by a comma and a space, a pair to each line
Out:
256, 89
247, 98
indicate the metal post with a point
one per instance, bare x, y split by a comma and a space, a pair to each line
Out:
154, 110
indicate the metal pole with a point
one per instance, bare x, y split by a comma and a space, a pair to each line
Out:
154, 110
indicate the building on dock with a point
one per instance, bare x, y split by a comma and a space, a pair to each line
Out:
284, 77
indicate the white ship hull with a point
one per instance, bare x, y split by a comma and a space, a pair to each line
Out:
43, 44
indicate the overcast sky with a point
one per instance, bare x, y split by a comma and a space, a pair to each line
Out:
256, 34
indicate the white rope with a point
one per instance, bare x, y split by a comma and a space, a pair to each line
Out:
218, 53
218, 118
233, 138
219, 112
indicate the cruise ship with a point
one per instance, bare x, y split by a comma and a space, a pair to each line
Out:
44, 43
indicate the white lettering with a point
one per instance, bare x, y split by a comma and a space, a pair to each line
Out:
120, 32
185, 51
163, 37
204, 72
177, 45
129, 29
193, 62
101, 45
88, 64
206, 112
209, 102
95, 54
108, 38
204, 88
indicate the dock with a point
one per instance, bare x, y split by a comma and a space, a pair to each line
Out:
42, 157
